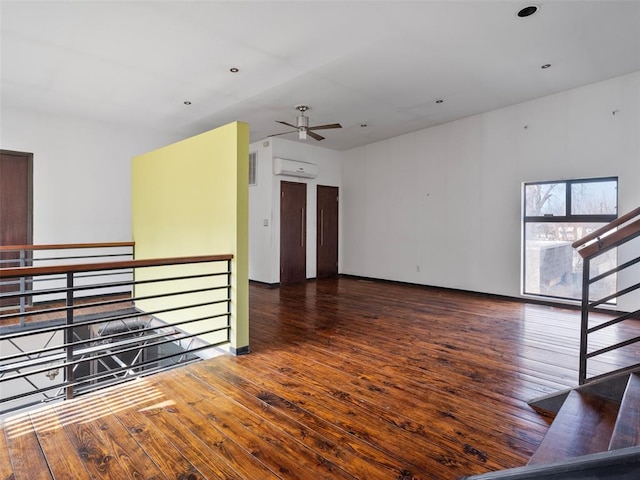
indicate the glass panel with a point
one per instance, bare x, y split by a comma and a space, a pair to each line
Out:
594, 198
552, 266
545, 199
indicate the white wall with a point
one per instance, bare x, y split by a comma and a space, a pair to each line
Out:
447, 200
264, 203
81, 173
260, 211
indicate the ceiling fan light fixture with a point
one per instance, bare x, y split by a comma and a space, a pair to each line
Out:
302, 134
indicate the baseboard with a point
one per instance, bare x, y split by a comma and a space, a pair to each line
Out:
256, 283
239, 351
275, 285
494, 296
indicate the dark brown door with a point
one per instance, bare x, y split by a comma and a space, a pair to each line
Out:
327, 241
293, 232
15, 209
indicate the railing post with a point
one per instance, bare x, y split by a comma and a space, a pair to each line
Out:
584, 321
68, 337
23, 288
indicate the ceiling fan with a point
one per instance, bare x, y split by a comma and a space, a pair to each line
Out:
303, 128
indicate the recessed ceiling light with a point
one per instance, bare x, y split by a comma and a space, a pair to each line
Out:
528, 11
187, 102
545, 66
234, 70
439, 100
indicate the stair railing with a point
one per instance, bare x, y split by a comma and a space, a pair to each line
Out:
610, 236
16, 256
178, 311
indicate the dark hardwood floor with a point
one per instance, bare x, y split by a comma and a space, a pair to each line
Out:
346, 379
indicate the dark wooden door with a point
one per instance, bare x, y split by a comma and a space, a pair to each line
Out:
327, 232
293, 232
15, 209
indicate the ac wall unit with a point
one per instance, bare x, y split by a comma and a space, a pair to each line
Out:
294, 168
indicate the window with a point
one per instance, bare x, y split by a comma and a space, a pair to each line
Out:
555, 215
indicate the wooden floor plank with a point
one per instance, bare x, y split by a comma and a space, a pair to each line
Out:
360, 458
56, 446
346, 379
90, 446
411, 451
27, 458
125, 450
183, 424
275, 449
6, 470
393, 400
444, 372
154, 443
409, 372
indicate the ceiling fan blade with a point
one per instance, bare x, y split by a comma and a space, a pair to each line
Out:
283, 133
287, 124
325, 127
314, 135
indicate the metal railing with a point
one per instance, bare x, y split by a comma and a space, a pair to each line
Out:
15, 256
180, 310
613, 235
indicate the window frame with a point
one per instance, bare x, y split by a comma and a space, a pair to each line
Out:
567, 218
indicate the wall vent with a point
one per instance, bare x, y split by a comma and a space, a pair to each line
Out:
253, 156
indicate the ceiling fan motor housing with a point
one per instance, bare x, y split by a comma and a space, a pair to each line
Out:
302, 122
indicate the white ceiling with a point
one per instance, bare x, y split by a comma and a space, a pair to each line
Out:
380, 63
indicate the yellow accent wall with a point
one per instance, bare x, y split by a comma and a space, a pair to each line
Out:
191, 198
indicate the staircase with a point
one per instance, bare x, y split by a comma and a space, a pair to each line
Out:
594, 418
595, 433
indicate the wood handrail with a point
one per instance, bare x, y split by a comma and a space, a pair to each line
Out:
66, 246
617, 238
606, 228
121, 264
